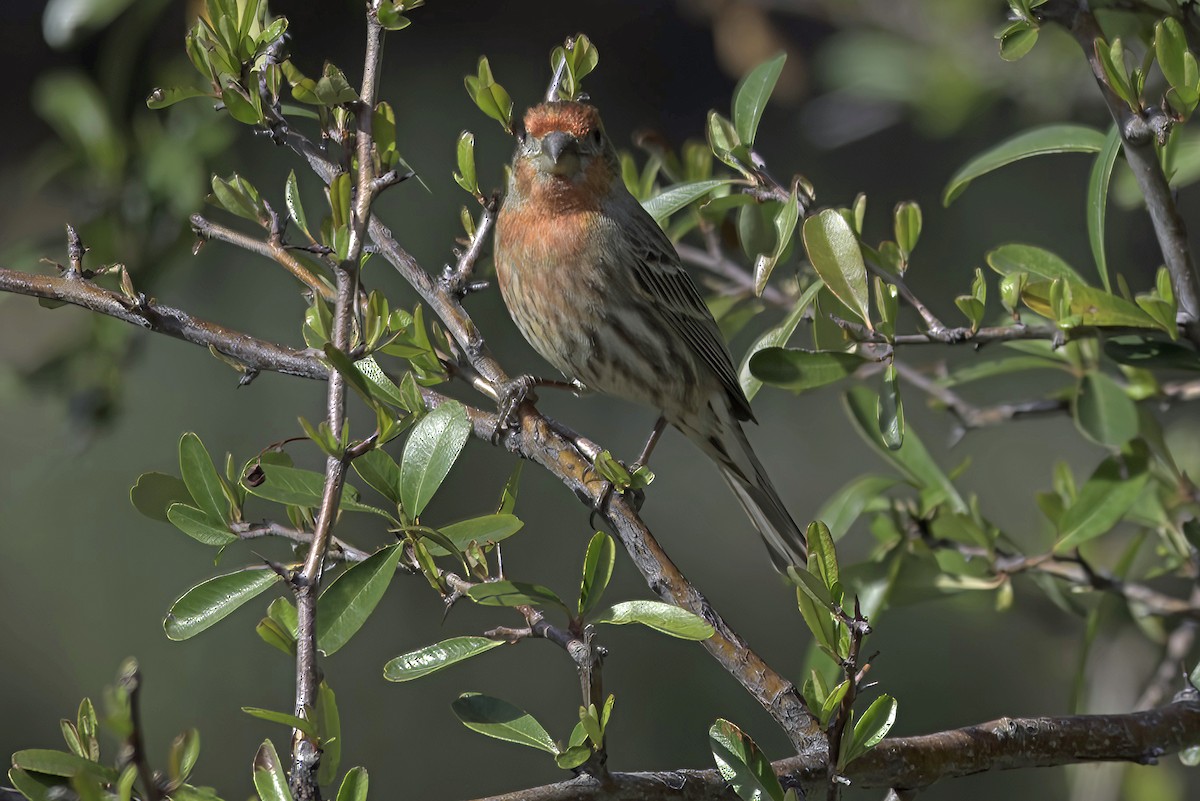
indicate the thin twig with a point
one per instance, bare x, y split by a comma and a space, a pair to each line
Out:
731, 271
457, 280
273, 250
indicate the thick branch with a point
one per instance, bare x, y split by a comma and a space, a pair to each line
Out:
913, 762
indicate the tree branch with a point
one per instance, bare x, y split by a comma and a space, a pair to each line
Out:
913, 762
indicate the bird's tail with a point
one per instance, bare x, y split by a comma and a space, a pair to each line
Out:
722, 438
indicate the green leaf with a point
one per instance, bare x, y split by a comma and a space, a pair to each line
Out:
201, 477
1170, 45
891, 410
667, 618
784, 222
906, 222
199, 526
485, 529
465, 177
1092, 306
291, 196
489, 96
161, 98
354, 785
153, 493
286, 718
329, 727
500, 719
211, 601
742, 764
1103, 500
1103, 411
775, 337
1112, 62
751, 95
333, 89
597, 570
1097, 200
1035, 142
432, 658
513, 593
36, 786
869, 730
381, 473
666, 203
295, 487
1016, 258
391, 18
844, 507
1017, 40
801, 370
573, 757
59, 763
239, 104
346, 604
1151, 353
911, 459
836, 256
508, 495
822, 556
431, 450
270, 780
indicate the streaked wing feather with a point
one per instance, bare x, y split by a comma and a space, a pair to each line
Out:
671, 290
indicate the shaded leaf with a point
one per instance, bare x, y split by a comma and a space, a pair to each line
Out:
801, 370
666, 203
1103, 411
346, 604
1103, 500
199, 526
1097, 200
835, 254
201, 477
513, 593
742, 764
1035, 142
504, 721
751, 95
153, 493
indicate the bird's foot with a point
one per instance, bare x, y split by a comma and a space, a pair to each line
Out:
511, 395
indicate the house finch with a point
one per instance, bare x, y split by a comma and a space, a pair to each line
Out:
598, 290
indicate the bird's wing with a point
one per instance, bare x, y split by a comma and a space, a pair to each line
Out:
667, 286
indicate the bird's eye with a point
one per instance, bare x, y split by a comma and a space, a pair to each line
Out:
522, 138
596, 136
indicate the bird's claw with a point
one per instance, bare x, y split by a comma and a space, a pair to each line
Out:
511, 395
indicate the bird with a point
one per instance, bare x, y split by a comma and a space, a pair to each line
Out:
598, 290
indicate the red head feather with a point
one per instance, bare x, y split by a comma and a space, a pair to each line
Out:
577, 119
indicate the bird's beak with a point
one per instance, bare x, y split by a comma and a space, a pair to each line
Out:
555, 143
560, 154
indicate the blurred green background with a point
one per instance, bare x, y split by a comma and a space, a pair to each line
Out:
887, 97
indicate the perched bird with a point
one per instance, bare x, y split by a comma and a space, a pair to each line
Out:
598, 290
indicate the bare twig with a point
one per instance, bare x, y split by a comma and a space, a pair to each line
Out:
725, 268
135, 747
456, 280
272, 249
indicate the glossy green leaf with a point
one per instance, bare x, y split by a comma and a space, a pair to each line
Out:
906, 224
784, 223
285, 718
1037, 262
201, 477
508, 495
329, 728
597, 571
431, 450
169, 96
869, 730
295, 487
432, 658
465, 177
59, 763
1151, 353
742, 764
678, 197
1092, 306
199, 526
1103, 500
751, 95
844, 507
777, 336
801, 370
153, 493
513, 593
835, 254
354, 785
1103, 411
500, 719
1035, 142
1017, 40
211, 601
911, 459
573, 757
667, 618
485, 529
1097, 201
291, 196
270, 779
346, 604
891, 410
381, 473
36, 786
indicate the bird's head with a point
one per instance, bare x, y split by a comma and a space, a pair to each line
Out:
564, 141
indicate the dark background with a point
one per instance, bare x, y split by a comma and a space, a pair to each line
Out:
887, 98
